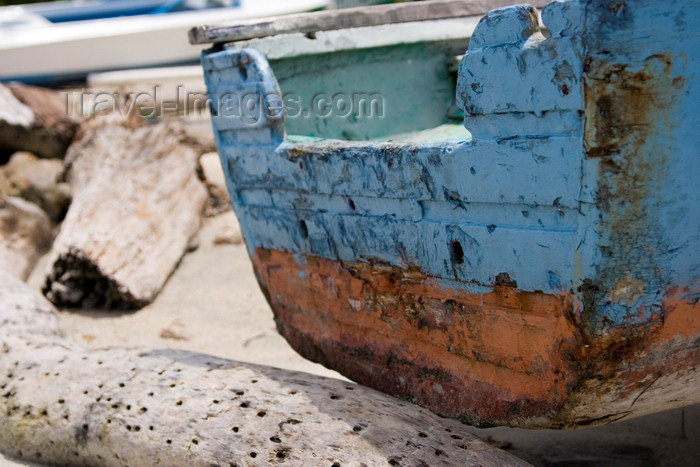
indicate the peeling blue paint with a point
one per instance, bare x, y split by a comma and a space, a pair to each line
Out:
538, 193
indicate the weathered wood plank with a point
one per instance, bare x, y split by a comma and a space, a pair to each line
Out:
345, 18
137, 202
142, 407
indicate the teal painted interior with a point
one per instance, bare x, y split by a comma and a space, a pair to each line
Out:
413, 81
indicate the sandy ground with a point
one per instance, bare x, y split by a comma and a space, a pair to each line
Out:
212, 304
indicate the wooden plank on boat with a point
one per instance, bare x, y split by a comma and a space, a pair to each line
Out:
345, 18
64, 404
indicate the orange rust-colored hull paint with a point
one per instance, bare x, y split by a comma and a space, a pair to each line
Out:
505, 356
667, 346
637, 370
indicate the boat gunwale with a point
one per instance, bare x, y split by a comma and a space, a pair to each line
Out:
327, 20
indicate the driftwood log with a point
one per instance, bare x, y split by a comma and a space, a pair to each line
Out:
60, 403
213, 175
37, 180
25, 233
35, 120
137, 203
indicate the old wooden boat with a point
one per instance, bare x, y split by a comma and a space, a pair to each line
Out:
541, 269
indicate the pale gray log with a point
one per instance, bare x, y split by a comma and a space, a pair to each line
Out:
137, 202
64, 404
25, 232
346, 18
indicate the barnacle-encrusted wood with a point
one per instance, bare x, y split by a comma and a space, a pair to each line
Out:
544, 272
63, 404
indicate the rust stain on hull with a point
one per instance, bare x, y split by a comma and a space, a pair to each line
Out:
631, 110
636, 370
503, 357
623, 106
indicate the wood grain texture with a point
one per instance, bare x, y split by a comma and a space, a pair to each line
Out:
142, 407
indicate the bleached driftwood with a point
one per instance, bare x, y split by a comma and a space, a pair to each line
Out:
61, 403
25, 232
213, 175
36, 120
137, 202
37, 180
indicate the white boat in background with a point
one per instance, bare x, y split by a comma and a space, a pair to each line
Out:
81, 40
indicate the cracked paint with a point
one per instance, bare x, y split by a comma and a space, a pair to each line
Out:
541, 273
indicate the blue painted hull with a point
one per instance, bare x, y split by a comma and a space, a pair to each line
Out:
543, 272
